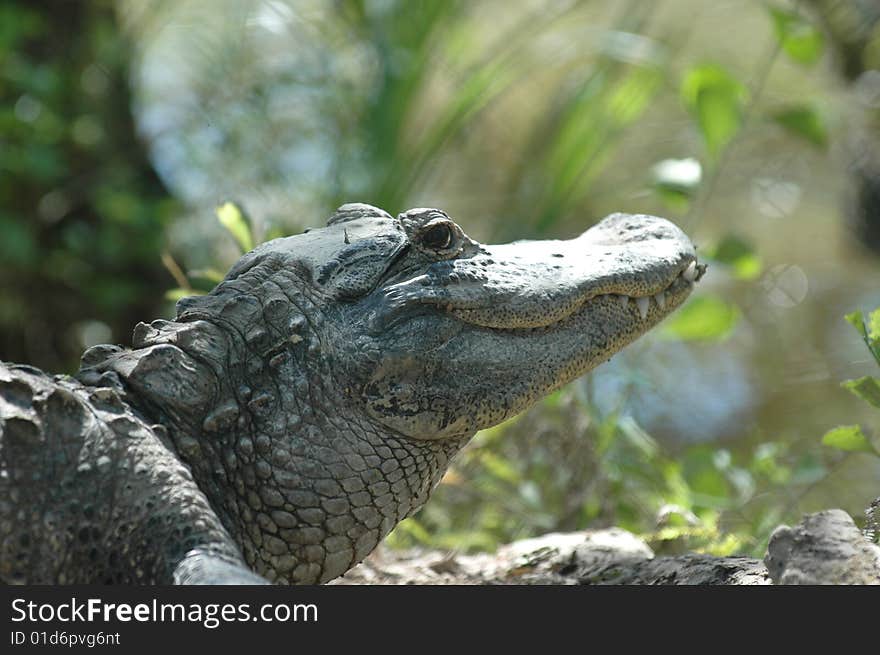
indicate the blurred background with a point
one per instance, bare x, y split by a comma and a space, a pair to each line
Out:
755, 125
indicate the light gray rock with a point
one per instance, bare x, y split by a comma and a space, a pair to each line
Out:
612, 556
824, 548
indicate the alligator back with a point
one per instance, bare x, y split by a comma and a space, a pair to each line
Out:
89, 493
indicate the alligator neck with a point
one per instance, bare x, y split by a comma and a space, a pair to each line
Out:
305, 485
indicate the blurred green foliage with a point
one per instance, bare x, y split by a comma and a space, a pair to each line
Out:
716, 99
563, 150
509, 484
81, 209
803, 121
233, 218
798, 36
852, 438
704, 317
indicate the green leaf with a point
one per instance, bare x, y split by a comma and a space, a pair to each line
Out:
867, 388
739, 254
849, 438
857, 320
873, 324
715, 98
704, 317
804, 122
870, 330
233, 219
799, 38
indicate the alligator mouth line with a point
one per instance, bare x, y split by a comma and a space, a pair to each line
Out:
675, 291
690, 275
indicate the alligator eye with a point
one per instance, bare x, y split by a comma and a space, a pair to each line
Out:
437, 237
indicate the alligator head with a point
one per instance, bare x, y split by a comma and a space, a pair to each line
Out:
319, 392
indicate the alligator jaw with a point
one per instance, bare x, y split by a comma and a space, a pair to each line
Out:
668, 298
648, 308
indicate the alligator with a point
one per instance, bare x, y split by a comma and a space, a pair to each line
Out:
281, 425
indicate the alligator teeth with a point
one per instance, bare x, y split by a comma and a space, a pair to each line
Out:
643, 304
690, 273
624, 301
660, 299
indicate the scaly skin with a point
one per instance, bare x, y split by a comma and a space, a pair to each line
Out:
283, 424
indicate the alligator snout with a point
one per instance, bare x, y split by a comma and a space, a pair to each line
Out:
644, 261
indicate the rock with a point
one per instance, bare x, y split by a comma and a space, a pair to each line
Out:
824, 548
611, 556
